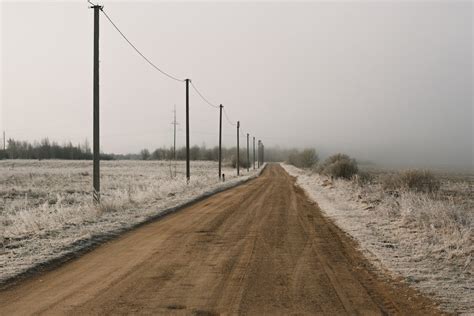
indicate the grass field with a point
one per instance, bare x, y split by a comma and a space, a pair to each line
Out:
46, 207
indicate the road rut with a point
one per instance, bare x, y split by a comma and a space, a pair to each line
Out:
260, 248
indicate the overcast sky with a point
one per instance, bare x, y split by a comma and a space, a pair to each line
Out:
389, 81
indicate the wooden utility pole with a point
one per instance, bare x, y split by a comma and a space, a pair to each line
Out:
238, 149
254, 152
220, 141
188, 172
248, 153
174, 123
258, 154
4, 142
96, 134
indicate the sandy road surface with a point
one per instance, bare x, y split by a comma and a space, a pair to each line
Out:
262, 247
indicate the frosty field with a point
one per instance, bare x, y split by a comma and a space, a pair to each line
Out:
425, 240
46, 208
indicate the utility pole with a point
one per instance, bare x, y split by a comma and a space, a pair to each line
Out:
188, 173
174, 123
174, 134
238, 150
220, 141
4, 143
96, 125
248, 153
258, 154
263, 153
254, 152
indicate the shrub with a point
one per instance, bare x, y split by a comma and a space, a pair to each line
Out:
339, 166
413, 180
420, 180
307, 158
293, 158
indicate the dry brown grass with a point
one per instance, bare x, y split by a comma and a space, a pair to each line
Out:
412, 180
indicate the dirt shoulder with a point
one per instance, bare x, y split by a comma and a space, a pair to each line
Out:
262, 247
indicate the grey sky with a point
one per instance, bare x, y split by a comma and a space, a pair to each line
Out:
388, 81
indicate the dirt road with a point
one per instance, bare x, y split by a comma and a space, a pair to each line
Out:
260, 248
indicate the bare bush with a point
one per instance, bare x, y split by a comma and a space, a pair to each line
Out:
420, 180
413, 180
307, 158
339, 166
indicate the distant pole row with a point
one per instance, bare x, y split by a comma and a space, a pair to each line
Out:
96, 119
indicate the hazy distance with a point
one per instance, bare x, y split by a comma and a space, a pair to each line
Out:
389, 82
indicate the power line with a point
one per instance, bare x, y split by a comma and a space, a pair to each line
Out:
136, 49
165, 73
202, 97
227, 118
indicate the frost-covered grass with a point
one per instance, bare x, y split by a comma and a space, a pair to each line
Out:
46, 207
427, 239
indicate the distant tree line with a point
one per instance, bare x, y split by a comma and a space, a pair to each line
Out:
195, 153
229, 154
46, 149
